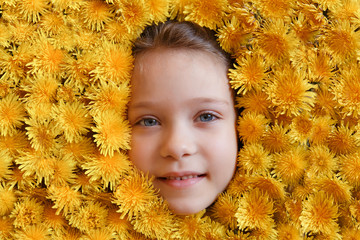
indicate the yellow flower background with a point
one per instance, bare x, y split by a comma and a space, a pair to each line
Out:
65, 67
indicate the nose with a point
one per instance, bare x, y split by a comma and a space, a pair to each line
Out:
178, 142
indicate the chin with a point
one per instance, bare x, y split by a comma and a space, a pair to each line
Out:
185, 210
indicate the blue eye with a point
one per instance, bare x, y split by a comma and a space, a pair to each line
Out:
148, 122
207, 117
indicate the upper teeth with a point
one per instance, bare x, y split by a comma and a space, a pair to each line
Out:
181, 178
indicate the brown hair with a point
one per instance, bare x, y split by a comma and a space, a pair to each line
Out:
186, 35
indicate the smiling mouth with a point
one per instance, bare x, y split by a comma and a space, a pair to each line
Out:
182, 177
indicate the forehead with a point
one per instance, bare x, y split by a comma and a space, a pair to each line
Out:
179, 73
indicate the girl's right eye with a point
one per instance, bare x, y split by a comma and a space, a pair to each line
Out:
148, 122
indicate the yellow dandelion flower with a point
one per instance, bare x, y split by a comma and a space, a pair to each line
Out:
254, 159
289, 92
274, 9
224, 209
116, 64
347, 90
66, 93
159, 9
12, 114
19, 181
274, 41
348, 11
341, 40
207, 14
349, 166
324, 102
215, 230
33, 9
52, 220
355, 210
290, 165
5, 163
249, 74
276, 139
294, 209
34, 163
65, 4
301, 128
90, 216
244, 15
351, 234
87, 40
109, 169
231, 36
321, 68
117, 32
72, 119
52, 23
95, 14
65, 199
319, 214
68, 234
268, 233
254, 101
41, 135
82, 183
304, 190
269, 185
322, 126
329, 4
342, 140
155, 222
137, 236
134, 194
334, 187
77, 69
112, 133
238, 235
288, 232
255, 211
63, 171
34, 232
99, 234
27, 211
13, 63
117, 224
48, 60
134, 14
7, 200
238, 185
80, 151
251, 127
304, 31
6, 228
4, 36
177, 8
322, 162
109, 96
41, 89
192, 227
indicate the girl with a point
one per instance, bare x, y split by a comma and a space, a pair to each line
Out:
182, 115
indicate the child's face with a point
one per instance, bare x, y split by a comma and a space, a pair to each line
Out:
183, 119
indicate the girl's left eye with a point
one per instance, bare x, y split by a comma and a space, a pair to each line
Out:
207, 117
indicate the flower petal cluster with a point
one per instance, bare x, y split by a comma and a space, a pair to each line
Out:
65, 71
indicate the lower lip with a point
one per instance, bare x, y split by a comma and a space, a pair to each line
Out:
182, 183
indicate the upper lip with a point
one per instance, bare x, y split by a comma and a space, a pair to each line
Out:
181, 174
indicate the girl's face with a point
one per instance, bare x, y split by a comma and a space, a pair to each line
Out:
183, 119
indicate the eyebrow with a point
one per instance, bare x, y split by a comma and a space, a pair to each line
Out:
204, 100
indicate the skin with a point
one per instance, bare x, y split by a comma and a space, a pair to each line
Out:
183, 125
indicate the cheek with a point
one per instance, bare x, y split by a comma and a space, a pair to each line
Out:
141, 153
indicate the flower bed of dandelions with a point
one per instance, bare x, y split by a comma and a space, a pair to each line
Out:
64, 85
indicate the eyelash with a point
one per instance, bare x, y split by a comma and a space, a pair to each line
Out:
155, 122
